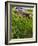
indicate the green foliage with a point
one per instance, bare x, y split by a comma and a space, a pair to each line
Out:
21, 26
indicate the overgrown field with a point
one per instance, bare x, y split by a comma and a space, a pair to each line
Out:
21, 25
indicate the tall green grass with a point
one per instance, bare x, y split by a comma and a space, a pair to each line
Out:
21, 26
